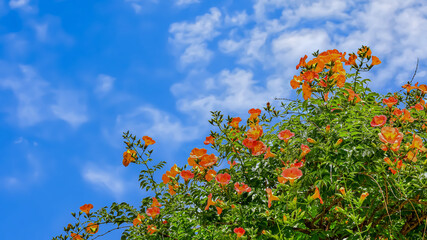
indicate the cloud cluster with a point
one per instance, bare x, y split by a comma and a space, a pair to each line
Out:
38, 101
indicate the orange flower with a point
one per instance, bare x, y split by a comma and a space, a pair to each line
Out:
198, 153
148, 141
241, 189
223, 178
76, 236
378, 121
390, 101
186, 174
151, 229
218, 210
311, 140
232, 163
291, 174
155, 203
306, 90
248, 142
375, 61
209, 140
388, 161
342, 190
423, 88
271, 197
258, 148
254, 132
170, 174
352, 95
171, 190
305, 149
397, 112
285, 135
208, 160
92, 228
86, 208
309, 76
327, 129
296, 82
418, 107
351, 59
210, 202
240, 231
235, 122
406, 116
138, 220
128, 157
210, 175
302, 62
363, 196
153, 212
364, 51
390, 135
254, 113
269, 154
317, 195
417, 143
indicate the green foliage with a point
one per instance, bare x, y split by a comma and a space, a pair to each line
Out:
364, 196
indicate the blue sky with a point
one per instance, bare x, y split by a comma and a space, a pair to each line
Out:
75, 74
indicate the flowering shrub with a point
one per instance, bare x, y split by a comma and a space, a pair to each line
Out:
345, 163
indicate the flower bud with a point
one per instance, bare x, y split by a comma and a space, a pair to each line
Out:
328, 128
311, 140
363, 196
342, 190
338, 142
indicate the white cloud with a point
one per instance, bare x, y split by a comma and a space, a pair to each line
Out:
229, 91
190, 39
18, 3
104, 84
37, 101
69, 107
186, 2
105, 177
195, 53
238, 19
156, 124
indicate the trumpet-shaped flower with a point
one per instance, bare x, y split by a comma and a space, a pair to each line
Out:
223, 178
86, 208
269, 154
128, 157
153, 212
148, 141
241, 188
239, 231
390, 101
210, 175
378, 121
271, 197
285, 135
291, 174
254, 132
390, 135
187, 174
209, 140
235, 122
317, 195
92, 228
375, 61
151, 229
208, 160
210, 202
